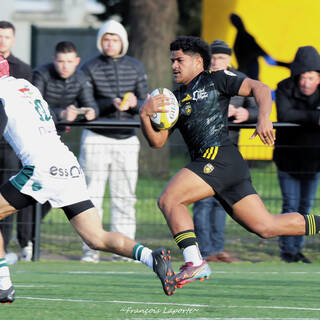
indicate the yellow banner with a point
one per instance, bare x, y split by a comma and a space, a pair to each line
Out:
277, 27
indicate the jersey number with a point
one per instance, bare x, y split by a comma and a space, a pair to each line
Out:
43, 112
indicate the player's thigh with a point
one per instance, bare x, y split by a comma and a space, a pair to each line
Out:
251, 212
186, 187
88, 224
5, 208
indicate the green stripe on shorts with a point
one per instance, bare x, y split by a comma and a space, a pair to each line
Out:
22, 177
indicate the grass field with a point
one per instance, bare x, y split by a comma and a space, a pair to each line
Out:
73, 290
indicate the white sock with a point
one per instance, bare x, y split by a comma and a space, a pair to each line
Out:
146, 257
143, 254
5, 281
192, 254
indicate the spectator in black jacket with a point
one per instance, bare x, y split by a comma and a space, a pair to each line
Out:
120, 87
64, 87
9, 163
67, 92
297, 152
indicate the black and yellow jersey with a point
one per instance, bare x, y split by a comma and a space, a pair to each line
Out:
203, 119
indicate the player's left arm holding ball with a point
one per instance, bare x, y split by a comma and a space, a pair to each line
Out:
155, 138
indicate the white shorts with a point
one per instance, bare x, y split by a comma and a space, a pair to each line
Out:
60, 184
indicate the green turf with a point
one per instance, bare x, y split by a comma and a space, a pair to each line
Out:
73, 290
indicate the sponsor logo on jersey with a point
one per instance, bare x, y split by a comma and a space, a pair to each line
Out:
73, 172
199, 94
186, 98
229, 73
36, 186
24, 90
208, 168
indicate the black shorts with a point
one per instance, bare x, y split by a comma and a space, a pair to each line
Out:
19, 200
224, 169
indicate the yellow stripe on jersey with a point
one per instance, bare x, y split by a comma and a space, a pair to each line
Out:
211, 153
215, 153
205, 154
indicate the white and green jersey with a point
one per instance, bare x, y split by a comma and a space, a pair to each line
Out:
50, 170
30, 130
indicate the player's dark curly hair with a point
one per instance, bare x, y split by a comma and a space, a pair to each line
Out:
195, 45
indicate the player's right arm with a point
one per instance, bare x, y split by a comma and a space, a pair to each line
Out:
155, 138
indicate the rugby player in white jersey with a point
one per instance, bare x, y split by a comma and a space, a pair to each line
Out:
52, 173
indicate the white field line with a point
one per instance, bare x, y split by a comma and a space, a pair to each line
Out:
272, 307
150, 272
36, 285
115, 301
171, 304
222, 272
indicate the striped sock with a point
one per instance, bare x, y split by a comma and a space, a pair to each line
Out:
5, 281
3, 262
312, 224
143, 254
185, 239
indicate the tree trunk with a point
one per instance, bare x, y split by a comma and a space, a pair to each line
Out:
153, 25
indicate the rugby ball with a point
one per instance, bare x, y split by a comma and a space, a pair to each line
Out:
165, 120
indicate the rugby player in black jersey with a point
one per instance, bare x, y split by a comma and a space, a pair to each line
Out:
217, 167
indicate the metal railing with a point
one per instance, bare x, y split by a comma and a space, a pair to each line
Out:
149, 188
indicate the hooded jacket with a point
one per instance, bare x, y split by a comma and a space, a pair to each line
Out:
297, 149
114, 77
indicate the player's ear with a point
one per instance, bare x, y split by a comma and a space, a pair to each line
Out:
199, 61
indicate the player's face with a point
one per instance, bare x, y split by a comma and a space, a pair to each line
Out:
7, 41
220, 61
185, 66
111, 45
309, 82
66, 63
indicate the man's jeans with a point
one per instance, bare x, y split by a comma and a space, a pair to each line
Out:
209, 224
298, 194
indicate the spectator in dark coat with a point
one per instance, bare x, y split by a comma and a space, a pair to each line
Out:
64, 87
297, 152
67, 93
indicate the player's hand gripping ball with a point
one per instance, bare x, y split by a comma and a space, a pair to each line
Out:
165, 120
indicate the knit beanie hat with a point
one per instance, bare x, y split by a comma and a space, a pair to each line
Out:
219, 46
4, 67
